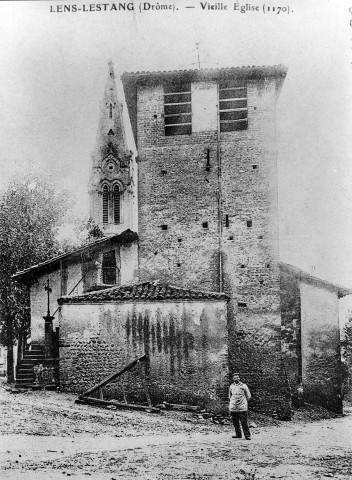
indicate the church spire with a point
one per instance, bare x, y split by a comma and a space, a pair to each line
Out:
111, 184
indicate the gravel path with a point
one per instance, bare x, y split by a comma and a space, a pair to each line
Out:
44, 435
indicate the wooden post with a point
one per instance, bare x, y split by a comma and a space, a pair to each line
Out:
123, 391
141, 372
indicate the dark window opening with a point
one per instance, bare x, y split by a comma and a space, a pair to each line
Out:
116, 204
233, 107
242, 304
260, 237
255, 167
205, 224
268, 265
105, 205
249, 223
111, 132
179, 239
243, 266
178, 264
227, 223
64, 279
110, 113
208, 161
163, 227
231, 238
164, 172
109, 268
177, 109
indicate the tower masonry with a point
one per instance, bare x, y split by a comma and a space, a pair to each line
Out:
208, 212
113, 178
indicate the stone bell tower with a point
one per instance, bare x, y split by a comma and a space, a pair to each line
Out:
113, 176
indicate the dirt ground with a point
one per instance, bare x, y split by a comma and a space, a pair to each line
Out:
45, 435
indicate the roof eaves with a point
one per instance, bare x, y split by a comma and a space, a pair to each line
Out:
341, 291
279, 70
55, 260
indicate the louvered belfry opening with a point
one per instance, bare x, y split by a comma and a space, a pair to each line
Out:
116, 203
233, 106
178, 109
105, 205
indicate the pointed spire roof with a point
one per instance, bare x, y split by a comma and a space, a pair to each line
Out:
111, 134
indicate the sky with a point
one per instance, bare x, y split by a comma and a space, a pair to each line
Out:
53, 67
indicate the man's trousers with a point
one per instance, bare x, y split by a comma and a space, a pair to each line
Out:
238, 419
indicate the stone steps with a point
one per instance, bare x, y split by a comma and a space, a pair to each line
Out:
25, 374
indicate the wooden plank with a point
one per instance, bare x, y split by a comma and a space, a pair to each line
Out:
185, 408
96, 401
114, 375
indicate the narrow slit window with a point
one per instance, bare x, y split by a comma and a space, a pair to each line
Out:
116, 201
233, 107
110, 112
105, 205
177, 109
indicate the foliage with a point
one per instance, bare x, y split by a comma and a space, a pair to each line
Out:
91, 230
30, 210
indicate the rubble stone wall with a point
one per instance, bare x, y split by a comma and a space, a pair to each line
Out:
186, 343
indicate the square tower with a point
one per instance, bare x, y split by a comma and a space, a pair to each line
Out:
207, 199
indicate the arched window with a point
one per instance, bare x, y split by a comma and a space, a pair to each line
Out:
116, 202
105, 205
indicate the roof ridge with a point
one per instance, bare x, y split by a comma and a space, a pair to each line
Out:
212, 70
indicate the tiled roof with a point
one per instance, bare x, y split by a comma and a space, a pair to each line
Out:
213, 72
147, 291
32, 272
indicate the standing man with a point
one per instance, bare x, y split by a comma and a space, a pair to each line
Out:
239, 395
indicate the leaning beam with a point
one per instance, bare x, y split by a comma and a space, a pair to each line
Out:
113, 376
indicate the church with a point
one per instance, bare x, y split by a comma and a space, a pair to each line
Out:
183, 184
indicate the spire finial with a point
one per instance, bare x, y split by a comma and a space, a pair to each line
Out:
111, 69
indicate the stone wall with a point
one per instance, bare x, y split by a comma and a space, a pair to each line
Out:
185, 341
208, 220
291, 325
321, 361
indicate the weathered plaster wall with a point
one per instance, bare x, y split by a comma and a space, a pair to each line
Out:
177, 189
127, 263
39, 298
291, 326
186, 343
321, 345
